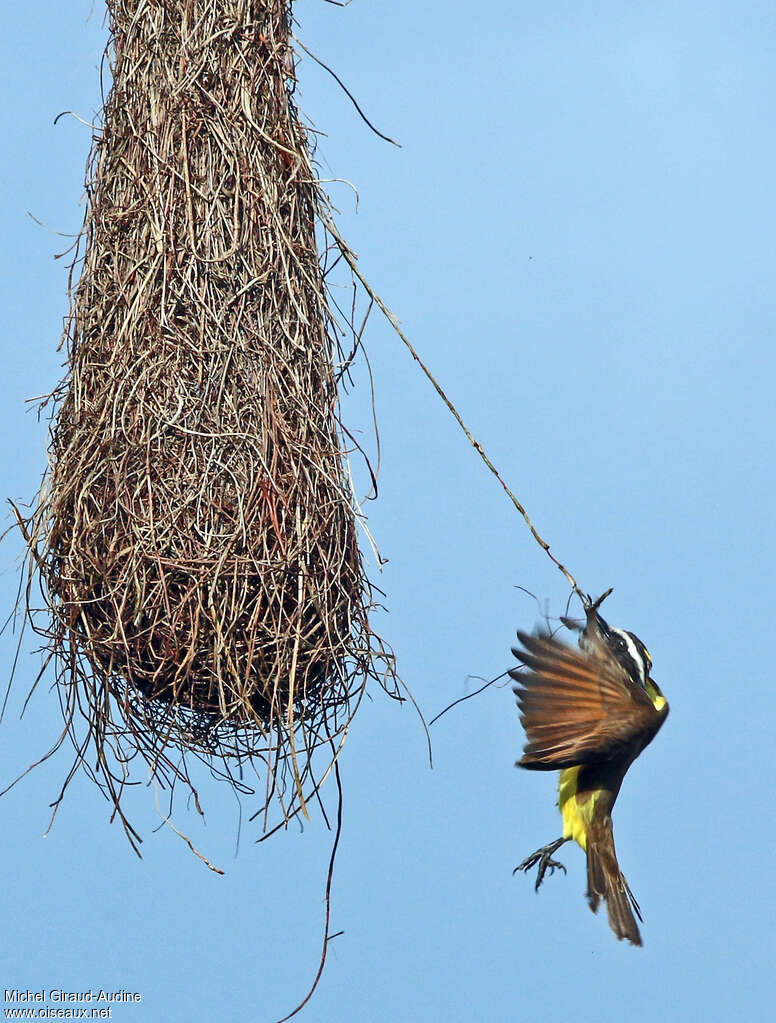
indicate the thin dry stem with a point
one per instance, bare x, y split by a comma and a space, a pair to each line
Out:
350, 258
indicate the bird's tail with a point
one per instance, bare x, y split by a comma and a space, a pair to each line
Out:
606, 881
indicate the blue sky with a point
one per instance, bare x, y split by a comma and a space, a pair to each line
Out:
577, 234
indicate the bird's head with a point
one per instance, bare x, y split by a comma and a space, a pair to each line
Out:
626, 647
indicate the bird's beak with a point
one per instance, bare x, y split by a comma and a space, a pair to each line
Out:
591, 607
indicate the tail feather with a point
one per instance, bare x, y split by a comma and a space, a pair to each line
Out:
606, 881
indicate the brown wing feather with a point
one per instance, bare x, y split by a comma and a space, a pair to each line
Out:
577, 707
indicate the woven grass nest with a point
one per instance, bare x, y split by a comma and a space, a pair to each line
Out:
195, 535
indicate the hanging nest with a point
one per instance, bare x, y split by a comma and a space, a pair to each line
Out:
195, 535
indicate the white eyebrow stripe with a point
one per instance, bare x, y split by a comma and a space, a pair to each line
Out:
633, 650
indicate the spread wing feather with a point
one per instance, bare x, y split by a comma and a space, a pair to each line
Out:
578, 708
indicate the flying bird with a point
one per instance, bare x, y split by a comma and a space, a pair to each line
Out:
588, 713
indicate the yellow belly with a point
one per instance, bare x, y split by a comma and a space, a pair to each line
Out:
576, 812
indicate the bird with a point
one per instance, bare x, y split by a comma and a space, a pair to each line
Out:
588, 713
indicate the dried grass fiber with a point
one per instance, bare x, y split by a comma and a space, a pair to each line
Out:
195, 537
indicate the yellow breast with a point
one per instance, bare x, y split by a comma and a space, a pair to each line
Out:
658, 700
576, 812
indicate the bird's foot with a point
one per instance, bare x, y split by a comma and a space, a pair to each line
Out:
544, 858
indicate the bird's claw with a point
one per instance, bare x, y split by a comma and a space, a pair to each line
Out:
544, 858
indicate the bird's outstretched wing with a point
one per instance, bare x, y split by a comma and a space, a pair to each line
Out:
579, 708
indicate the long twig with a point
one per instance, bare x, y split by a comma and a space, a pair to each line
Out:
348, 93
327, 937
352, 261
